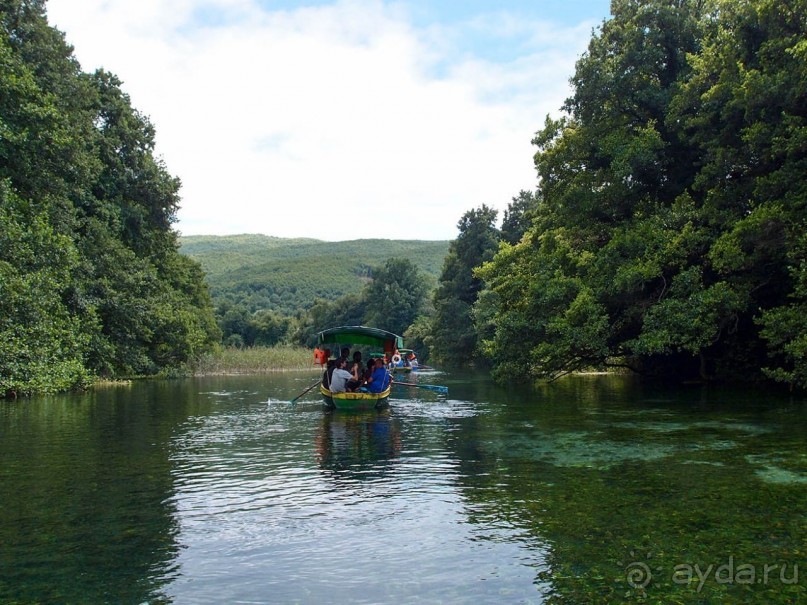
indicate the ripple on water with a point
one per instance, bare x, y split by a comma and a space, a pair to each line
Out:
335, 508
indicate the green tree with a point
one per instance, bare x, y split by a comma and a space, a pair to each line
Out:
42, 341
395, 296
152, 306
454, 335
46, 126
744, 106
347, 310
132, 183
87, 211
42, 344
611, 228
418, 337
783, 327
233, 320
270, 328
517, 216
671, 211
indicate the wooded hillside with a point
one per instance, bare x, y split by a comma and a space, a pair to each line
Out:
260, 272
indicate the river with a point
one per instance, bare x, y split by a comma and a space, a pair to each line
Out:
593, 489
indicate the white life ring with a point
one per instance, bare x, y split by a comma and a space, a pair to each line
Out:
396, 359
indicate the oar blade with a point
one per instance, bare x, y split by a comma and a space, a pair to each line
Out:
433, 387
429, 387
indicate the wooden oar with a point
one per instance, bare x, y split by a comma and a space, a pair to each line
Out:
428, 387
304, 392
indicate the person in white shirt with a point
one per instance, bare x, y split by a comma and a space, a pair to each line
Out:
340, 377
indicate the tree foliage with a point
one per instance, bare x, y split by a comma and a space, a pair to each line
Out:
91, 281
347, 310
454, 335
393, 300
304, 285
41, 341
517, 216
285, 275
395, 296
669, 228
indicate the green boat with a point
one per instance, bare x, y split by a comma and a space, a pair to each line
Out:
357, 400
351, 336
404, 367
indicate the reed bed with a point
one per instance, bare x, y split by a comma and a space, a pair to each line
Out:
254, 360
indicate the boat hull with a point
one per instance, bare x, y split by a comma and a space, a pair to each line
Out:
355, 401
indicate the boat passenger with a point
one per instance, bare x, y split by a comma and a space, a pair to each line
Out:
340, 377
369, 370
412, 359
344, 355
356, 369
380, 378
326, 375
321, 357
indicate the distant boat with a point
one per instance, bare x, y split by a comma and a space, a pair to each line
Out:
401, 361
352, 336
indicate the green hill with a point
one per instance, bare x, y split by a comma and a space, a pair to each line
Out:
287, 275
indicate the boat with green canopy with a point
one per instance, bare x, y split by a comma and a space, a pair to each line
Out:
358, 336
404, 362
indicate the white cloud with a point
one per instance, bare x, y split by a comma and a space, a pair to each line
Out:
337, 122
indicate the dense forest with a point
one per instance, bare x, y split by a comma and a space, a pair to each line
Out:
91, 280
667, 232
269, 290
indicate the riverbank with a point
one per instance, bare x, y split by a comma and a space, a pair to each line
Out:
253, 360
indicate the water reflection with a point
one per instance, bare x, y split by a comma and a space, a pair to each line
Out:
86, 499
205, 492
360, 445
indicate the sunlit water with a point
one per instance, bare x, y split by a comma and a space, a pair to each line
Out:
592, 489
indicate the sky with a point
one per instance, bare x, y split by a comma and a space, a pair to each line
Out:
338, 120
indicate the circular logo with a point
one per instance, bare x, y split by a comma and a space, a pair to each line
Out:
638, 575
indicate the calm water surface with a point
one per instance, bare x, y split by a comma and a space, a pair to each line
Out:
594, 489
